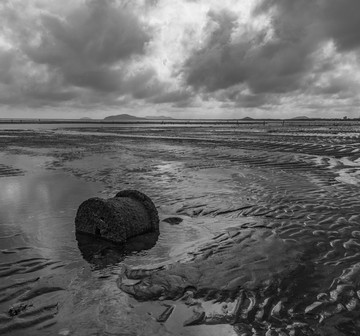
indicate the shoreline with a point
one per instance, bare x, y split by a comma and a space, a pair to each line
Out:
283, 122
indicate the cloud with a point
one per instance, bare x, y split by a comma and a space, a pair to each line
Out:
6, 65
341, 22
92, 46
86, 47
97, 32
218, 64
253, 100
267, 60
329, 19
283, 57
176, 96
249, 54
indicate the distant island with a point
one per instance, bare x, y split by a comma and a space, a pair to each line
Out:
300, 117
123, 117
120, 117
247, 118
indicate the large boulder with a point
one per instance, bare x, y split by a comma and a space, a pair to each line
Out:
128, 214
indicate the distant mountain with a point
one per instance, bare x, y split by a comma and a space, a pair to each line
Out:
122, 117
158, 118
247, 118
300, 117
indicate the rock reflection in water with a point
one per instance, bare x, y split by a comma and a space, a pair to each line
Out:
101, 253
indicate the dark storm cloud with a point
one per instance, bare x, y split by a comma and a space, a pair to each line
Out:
337, 20
252, 100
6, 66
143, 84
276, 62
89, 49
342, 23
265, 64
218, 65
100, 33
86, 47
236, 97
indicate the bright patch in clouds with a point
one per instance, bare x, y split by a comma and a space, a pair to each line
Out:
182, 58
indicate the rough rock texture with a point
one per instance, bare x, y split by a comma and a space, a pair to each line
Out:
128, 214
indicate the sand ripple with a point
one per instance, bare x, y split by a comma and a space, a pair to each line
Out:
299, 188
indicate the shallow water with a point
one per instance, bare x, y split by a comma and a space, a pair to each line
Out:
43, 261
289, 203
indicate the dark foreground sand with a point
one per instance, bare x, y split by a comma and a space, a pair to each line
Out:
263, 237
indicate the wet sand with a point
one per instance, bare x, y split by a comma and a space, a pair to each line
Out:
265, 221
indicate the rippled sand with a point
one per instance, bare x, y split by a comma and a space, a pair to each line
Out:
264, 236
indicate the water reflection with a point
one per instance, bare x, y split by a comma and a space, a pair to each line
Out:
37, 217
101, 253
38, 251
41, 207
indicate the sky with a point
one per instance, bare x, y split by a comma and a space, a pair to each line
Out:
179, 58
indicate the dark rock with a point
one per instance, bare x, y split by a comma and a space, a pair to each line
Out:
128, 214
164, 316
173, 220
18, 308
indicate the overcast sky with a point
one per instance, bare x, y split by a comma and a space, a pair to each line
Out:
180, 58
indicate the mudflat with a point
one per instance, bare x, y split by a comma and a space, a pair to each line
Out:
259, 230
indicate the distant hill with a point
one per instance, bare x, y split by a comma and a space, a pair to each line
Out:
159, 118
122, 117
247, 118
300, 117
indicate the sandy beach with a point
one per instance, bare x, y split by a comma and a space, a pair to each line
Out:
259, 230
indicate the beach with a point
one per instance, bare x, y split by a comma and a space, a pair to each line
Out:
259, 229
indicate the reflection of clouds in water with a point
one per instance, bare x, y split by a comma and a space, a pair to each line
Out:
25, 162
43, 206
10, 190
11, 193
